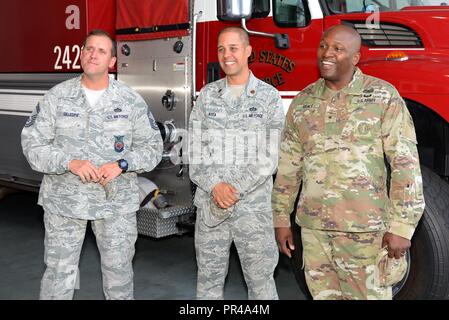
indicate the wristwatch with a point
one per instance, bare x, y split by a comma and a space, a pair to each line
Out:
122, 164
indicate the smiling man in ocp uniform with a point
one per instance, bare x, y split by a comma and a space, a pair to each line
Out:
338, 132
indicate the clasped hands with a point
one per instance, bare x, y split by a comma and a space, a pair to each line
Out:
90, 173
225, 195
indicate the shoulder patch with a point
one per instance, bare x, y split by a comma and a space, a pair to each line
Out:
32, 119
153, 123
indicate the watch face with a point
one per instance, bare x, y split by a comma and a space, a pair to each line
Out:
123, 164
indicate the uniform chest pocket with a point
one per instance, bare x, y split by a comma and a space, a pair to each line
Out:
117, 126
215, 117
117, 135
364, 120
69, 117
69, 125
254, 120
311, 133
361, 131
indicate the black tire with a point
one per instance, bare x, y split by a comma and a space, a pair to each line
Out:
428, 274
429, 269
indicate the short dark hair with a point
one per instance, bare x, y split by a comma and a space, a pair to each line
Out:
99, 32
242, 33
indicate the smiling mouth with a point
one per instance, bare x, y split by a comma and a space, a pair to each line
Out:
327, 65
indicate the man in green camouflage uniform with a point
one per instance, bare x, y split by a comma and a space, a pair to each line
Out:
76, 136
235, 125
337, 132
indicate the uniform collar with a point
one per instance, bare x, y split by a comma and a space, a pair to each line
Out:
250, 88
77, 93
76, 89
355, 87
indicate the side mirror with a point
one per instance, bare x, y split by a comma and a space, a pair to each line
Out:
234, 10
281, 41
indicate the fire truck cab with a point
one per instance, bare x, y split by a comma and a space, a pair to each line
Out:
167, 52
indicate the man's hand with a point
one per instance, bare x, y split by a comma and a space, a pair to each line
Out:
225, 195
85, 170
396, 245
108, 172
284, 239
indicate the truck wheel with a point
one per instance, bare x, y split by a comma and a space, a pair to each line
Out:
429, 267
428, 274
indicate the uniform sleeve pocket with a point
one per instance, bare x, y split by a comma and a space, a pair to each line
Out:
408, 129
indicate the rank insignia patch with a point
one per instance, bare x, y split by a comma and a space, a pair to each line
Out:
32, 119
153, 123
119, 145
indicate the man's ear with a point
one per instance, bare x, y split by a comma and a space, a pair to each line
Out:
356, 58
248, 50
112, 62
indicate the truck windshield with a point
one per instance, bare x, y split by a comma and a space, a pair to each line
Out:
346, 6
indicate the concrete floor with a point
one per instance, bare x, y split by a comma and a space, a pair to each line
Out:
164, 268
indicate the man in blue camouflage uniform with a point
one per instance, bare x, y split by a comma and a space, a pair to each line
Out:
338, 132
235, 126
90, 136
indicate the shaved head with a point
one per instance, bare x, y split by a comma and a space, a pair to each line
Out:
242, 34
338, 55
350, 36
233, 51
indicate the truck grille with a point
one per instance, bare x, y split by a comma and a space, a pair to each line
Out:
387, 35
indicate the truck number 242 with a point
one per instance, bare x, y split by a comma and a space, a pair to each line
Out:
65, 56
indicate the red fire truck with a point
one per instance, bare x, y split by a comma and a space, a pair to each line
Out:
167, 52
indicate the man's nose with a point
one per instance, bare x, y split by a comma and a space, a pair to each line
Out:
226, 53
328, 52
94, 53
